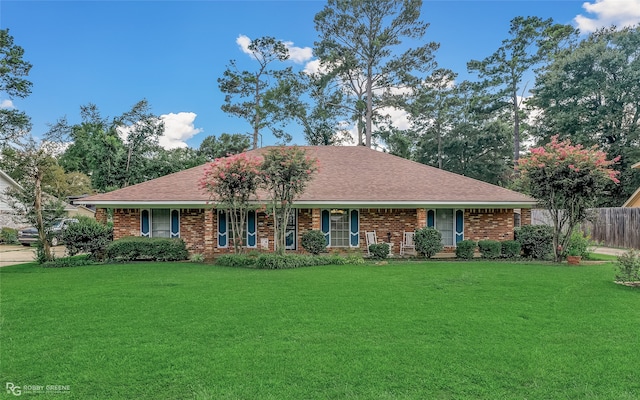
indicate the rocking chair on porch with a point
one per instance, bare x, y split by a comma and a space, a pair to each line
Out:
407, 242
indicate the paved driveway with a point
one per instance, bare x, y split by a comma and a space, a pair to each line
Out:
10, 254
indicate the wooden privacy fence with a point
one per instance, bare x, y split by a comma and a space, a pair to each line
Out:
613, 227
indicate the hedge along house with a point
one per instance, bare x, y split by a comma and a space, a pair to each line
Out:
355, 190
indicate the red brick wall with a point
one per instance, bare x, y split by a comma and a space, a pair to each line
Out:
385, 221
488, 224
199, 228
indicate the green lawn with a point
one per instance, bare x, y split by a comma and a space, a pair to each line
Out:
434, 330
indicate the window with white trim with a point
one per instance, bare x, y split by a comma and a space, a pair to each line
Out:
340, 227
160, 222
249, 231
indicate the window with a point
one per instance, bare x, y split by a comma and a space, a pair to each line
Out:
248, 232
290, 233
450, 224
160, 223
340, 227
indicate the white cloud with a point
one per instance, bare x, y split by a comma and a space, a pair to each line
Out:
620, 13
244, 42
298, 55
6, 104
178, 128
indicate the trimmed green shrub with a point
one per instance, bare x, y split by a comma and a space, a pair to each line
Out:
379, 251
88, 236
9, 236
428, 241
286, 261
235, 260
63, 262
536, 241
578, 244
142, 248
465, 249
628, 267
490, 249
314, 242
511, 249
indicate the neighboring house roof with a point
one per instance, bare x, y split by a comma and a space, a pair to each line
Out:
6, 181
347, 176
634, 200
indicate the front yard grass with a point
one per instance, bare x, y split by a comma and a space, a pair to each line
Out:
428, 330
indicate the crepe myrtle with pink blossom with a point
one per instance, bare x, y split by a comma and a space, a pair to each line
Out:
566, 180
232, 182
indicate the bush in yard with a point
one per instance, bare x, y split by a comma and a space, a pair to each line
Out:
628, 267
428, 241
314, 242
578, 244
88, 236
536, 241
491, 249
236, 260
142, 248
75, 261
379, 251
9, 236
511, 249
465, 249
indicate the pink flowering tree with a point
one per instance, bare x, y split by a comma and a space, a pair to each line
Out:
567, 180
232, 182
286, 173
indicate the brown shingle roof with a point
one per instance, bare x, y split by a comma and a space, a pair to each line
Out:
347, 175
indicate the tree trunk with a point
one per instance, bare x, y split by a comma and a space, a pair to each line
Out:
369, 111
37, 205
516, 129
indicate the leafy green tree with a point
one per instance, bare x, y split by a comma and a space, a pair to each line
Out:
245, 90
362, 45
566, 180
115, 153
13, 84
30, 201
433, 112
531, 41
232, 182
591, 93
286, 171
142, 130
224, 145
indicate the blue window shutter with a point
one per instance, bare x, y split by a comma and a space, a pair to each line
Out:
251, 229
144, 223
431, 218
459, 225
175, 223
222, 229
354, 229
324, 224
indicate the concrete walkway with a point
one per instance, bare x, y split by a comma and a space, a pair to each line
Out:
17, 254
608, 251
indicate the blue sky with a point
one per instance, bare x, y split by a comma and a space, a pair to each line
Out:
115, 53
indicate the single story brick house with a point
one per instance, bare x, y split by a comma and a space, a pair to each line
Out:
355, 190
